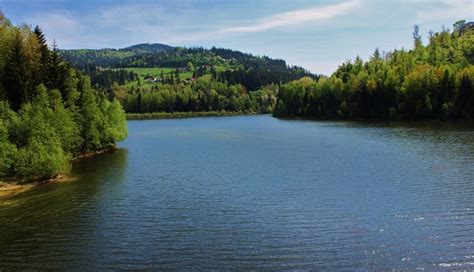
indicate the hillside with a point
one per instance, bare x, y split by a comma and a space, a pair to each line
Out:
144, 48
225, 65
107, 57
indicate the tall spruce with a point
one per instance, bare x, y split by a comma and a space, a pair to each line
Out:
14, 80
56, 71
45, 56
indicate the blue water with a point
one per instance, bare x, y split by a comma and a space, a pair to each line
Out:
255, 192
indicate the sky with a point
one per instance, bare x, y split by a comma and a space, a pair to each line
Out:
315, 34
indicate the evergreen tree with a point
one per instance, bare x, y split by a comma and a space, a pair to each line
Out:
15, 81
45, 56
416, 36
176, 75
56, 70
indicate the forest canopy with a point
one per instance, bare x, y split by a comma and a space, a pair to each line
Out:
49, 112
433, 81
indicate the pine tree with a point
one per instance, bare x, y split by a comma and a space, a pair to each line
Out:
14, 80
176, 72
45, 56
56, 70
139, 101
416, 36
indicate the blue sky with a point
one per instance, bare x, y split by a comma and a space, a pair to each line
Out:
315, 34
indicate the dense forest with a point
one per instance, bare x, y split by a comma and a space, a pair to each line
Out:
49, 112
433, 81
204, 95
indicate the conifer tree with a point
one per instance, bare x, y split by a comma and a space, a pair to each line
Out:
14, 80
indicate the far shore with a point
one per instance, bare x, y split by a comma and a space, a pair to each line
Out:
176, 115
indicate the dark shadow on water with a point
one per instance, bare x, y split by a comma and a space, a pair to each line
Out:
43, 222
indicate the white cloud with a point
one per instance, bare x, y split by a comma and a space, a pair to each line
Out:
132, 23
59, 25
297, 17
285, 19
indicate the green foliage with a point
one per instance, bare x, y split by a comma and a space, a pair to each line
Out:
115, 123
54, 116
203, 95
428, 82
91, 119
8, 151
14, 79
41, 158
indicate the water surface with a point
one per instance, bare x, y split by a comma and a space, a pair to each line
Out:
256, 192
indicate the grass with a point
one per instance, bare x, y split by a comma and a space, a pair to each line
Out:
156, 72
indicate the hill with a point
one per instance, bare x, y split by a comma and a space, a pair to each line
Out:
111, 57
144, 48
225, 65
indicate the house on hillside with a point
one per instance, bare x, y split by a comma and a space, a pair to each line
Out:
150, 79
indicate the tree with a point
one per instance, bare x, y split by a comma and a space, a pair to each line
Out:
177, 76
190, 66
8, 151
45, 56
458, 25
139, 102
115, 122
376, 56
416, 36
91, 118
14, 80
56, 70
465, 98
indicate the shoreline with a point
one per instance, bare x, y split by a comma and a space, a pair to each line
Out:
14, 185
180, 115
381, 120
90, 154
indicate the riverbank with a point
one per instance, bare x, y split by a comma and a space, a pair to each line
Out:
375, 120
173, 115
14, 185
86, 155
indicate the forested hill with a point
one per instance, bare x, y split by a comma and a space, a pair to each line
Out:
234, 67
432, 81
109, 57
144, 48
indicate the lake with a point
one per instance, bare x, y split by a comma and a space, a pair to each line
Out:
255, 192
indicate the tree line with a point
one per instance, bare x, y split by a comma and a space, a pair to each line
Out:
106, 78
435, 81
49, 112
203, 95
